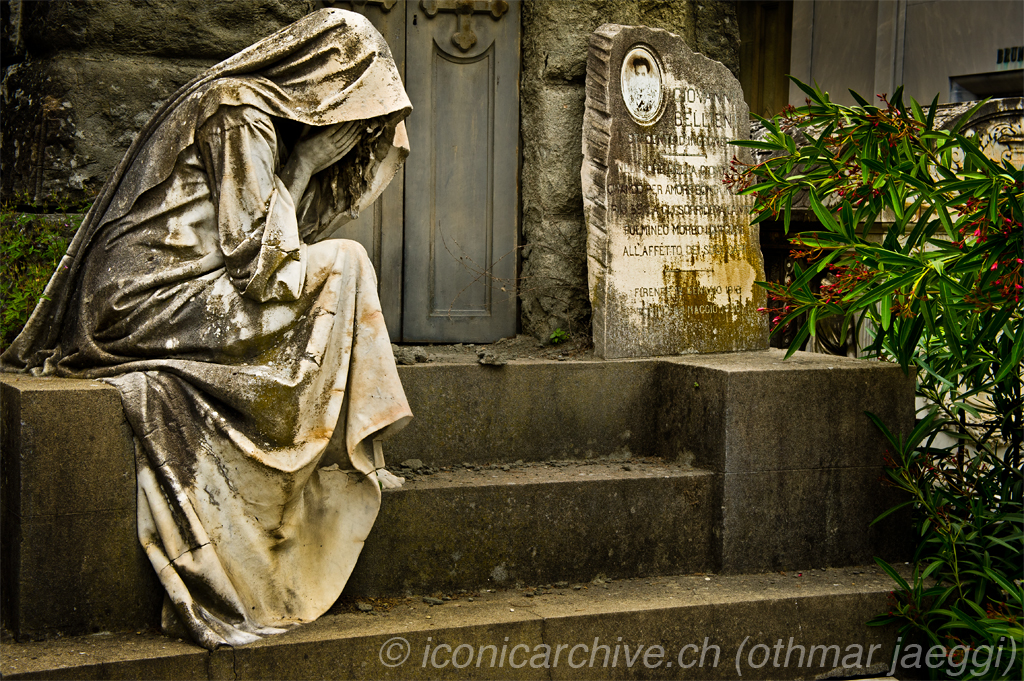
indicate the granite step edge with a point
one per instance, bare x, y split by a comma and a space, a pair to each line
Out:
815, 608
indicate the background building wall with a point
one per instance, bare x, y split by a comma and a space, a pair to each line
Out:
81, 78
874, 46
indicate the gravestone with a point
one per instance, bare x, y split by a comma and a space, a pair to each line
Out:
671, 252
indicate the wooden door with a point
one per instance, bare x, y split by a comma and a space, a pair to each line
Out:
461, 180
443, 237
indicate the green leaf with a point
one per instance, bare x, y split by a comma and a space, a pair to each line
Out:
814, 96
798, 340
860, 100
758, 144
891, 571
897, 202
893, 440
886, 513
823, 214
932, 108
962, 121
1013, 360
886, 305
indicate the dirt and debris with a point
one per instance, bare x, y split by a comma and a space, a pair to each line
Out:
499, 353
524, 471
602, 586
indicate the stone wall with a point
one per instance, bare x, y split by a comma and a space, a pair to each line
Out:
82, 77
555, 43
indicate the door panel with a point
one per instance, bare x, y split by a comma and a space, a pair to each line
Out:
443, 237
461, 190
380, 230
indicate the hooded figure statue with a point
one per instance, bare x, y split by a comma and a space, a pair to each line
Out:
242, 341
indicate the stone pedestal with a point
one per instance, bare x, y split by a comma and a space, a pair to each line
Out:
72, 562
771, 464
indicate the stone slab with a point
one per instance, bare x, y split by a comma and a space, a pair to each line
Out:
815, 609
62, 139
537, 525
71, 559
800, 462
169, 28
756, 411
672, 255
775, 520
530, 410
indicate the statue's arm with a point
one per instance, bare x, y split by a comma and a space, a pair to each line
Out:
256, 220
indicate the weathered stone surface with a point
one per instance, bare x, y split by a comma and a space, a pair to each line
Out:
672, 256
788, 476
779, 520
998, 128
553, 284
170, 28
714, 617
538, 525
69, 151
71, 560
530, 410
717, 33
62, 138
801, 463
555, 36
228, 452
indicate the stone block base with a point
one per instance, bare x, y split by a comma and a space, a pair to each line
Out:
770, 465
71, 562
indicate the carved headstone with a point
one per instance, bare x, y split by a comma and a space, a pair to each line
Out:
671, 252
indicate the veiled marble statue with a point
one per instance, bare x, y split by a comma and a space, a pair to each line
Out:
200, 285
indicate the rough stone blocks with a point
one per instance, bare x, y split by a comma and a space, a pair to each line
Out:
71, 560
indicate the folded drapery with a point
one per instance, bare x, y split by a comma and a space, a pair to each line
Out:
239, 344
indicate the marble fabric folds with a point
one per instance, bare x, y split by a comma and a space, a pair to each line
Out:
241, 344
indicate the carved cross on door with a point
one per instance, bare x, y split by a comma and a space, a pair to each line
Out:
464, 38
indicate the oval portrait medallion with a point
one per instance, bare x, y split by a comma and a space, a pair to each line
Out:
640, 81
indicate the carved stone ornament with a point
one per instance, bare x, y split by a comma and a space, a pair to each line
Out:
464, 38
251, 355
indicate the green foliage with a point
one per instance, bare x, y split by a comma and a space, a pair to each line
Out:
922, 237
966, 587
30, 248
558, 336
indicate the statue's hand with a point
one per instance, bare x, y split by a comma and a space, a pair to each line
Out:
320, 148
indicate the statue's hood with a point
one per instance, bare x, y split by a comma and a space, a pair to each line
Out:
330, 66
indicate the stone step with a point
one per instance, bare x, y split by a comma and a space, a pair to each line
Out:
751, 620
540, 522
785, 472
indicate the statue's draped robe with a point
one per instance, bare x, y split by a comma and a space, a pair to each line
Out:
240, 349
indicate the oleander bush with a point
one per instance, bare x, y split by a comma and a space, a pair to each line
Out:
921, 238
